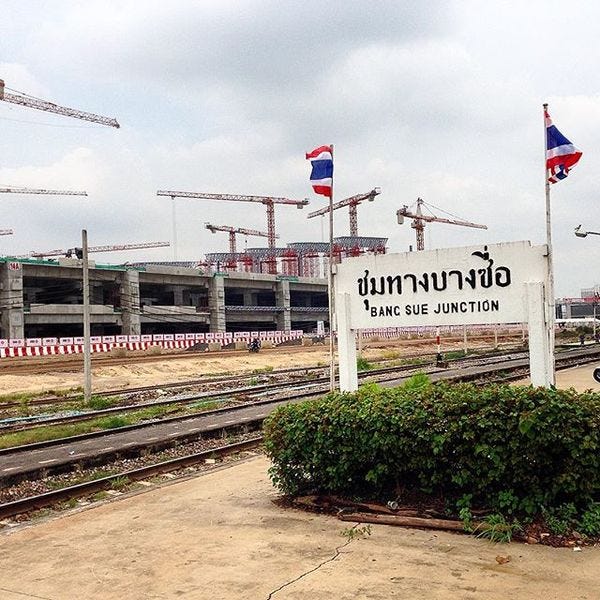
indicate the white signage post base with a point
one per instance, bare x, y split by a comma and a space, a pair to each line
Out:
541, 364
348, 371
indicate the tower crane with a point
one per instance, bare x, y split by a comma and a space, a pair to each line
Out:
110, 248
24, 190
232, 233
352, 203
31, 102
268, 201
583, 234
419, 221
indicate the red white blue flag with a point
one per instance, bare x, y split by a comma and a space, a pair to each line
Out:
561, 154
321, 176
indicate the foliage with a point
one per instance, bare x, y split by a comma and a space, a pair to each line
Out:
102, 402
497, 529
356, 532
511, 449
362, 364
589, 523
560, 519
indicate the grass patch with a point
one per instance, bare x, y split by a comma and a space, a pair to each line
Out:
265, 369
362, 364
102, 402
120, 483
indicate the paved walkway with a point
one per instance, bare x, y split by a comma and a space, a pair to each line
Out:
221, 537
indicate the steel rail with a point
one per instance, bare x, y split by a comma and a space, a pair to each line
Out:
437, 375
10, 509
207, 396
474, 373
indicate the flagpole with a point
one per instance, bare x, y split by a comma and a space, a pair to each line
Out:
550, 291
330, 289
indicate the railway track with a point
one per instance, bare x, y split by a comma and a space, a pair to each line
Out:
207, 382
315, 376
74, 362
68, 449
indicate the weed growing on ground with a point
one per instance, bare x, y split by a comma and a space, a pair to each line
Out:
119, 483
356, 533
102, 402
589, 524
497, 529
265, 369
362, 364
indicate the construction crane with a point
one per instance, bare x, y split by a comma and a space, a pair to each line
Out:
232, 233
31, 102
419, 220
111, 248
24, 190
6, 231
583, 234
268, 201
352, 203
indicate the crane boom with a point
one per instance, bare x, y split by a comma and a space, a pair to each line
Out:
24, 190
108, 248
268, 201
419, 220
232, 232
30, 102
233, 197
351, 202
6, 232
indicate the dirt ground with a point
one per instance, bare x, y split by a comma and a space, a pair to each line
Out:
221, 537
174, 369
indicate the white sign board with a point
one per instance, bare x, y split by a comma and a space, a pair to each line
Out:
499, 283
454, 286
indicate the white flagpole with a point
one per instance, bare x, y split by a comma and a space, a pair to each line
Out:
330, 289
550, 291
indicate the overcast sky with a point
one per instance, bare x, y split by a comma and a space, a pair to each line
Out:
439, 100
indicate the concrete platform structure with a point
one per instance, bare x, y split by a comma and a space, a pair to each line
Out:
221, 537
41, 298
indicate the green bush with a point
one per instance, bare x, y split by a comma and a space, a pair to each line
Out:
508, 448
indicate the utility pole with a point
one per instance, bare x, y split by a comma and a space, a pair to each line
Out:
87, 357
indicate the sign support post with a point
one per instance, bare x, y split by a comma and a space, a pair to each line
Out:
348, 371
541, 360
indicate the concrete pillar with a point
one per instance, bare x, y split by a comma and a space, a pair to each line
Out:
216, 304
130, 303
11, 300
249, 298
177, 296
282, 300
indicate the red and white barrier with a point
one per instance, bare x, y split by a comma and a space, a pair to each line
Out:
69, 345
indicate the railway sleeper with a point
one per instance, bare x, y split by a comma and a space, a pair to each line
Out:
67, 464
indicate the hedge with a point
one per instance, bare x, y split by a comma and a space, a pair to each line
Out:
515, 449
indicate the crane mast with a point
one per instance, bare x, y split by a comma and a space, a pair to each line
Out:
419, 221
36, 103
352, 204
268, 201
232, 231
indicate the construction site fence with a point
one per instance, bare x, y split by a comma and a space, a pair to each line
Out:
49, 346
398, 332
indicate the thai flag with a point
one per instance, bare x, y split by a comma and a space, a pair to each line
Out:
561, 155
321, 177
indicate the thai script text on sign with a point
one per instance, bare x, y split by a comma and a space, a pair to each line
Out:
476, 284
